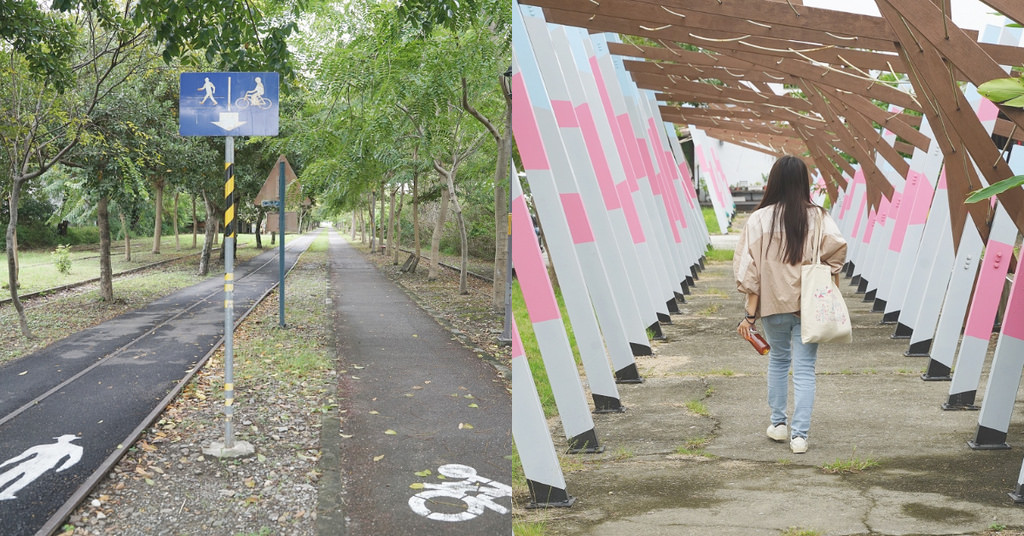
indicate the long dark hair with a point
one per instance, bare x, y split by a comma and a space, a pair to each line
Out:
789, 188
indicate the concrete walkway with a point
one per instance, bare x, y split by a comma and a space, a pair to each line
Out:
690, 455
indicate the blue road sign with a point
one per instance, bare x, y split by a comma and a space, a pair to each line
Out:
228, 104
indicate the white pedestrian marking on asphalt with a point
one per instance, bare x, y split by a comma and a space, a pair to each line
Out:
476, 492
37, 460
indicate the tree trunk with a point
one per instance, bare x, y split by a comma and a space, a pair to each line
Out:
362, 226
211, 235
373, 222
195, 222
415, 217
106, 272
158, 217
398, 227
260, 214
127, 237
391, 222
380, 234
355, 221
435, 239
12, 256
463, 242
177, 239
501, 219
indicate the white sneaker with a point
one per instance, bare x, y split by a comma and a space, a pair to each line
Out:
798, 445
778, 432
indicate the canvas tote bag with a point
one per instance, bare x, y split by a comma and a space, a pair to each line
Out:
823, 314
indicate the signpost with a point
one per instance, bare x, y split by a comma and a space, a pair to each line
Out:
229, 105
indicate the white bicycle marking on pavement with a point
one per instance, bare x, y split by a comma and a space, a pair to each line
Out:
475, 492
36, 461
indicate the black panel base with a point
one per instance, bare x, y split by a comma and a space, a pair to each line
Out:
869, 296
545, 496
989, 439
585, 443
693, 274
685, 287
1017, 495
961, 401
673, 307
640, 349
919, 349
680, 297
855, 280
655, 330
628, 374
878, 306
937, 372
664, 318
903, 331
607, 404
889, 318
689, 281
862, 287
701, 261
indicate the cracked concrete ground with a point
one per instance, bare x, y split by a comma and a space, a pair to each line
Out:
690, 456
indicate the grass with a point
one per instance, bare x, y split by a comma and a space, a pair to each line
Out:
698, 407
710, 219
622, 453
794, 531
723, 372
524, 528
695, 447
38, 271
719, 254
848, 466
710, 310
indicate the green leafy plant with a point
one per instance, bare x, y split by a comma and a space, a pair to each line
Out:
851, 465
62, 259
1006, 92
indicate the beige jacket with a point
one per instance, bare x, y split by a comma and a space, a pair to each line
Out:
759, 268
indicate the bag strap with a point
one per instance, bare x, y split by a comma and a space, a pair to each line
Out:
817, 238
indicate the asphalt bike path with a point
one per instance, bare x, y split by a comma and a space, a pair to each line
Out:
68, 411
425, 421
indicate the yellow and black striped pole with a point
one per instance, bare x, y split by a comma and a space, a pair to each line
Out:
229, 290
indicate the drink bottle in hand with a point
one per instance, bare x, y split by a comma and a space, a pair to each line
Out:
758, 342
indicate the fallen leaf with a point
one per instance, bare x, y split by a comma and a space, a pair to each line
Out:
374, 412
473, 405
416, 485
378, 458
467, 396
358, 367
346, 436
465, 426
150, 482
417, 387
425, 472
409, 395
355, 377
23, 373
415, 335
390, 432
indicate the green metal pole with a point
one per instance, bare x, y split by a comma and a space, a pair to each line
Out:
280, 256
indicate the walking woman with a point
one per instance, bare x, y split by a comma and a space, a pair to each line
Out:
772, 247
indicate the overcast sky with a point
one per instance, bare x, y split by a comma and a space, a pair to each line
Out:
966, 13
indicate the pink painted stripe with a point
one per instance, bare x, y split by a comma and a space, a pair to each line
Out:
860, 214
517, 342
988, 290
902, 220
576, 215
626, 128
605, 182
987, 111
1013, 318
922, 202
533, 277
684, 170
636, 231
565, 115
942, 180
525, 128
884, 206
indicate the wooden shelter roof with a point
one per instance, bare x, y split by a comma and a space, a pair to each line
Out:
748, 49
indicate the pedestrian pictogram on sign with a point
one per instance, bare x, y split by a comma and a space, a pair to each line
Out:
228, 104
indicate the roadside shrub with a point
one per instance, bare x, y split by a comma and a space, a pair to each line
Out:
83, 235
62, 259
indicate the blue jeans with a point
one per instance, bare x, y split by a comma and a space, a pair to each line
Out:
782, 332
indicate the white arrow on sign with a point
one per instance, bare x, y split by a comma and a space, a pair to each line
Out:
229, 121
37, 460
